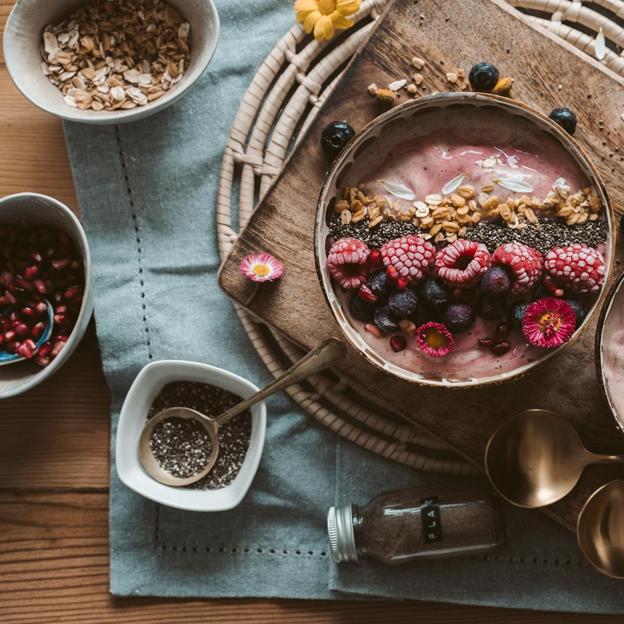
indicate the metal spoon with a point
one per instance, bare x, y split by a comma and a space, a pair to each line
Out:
314, 362
12, 358
536, 458
600, 529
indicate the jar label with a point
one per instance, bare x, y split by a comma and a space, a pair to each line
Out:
430, 515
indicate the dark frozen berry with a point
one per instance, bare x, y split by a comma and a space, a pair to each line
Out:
398, 343
459, 317
565, 118
517, 313
378, 283
491, 309
496, 282
434, 295
501, 333
384, 320
500, 348
579, 311
403, 303
360, 309
483, 77
335, 136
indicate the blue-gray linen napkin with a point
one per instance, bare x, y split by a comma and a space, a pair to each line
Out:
147, 197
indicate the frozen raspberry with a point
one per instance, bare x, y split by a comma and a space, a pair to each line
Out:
577, 269
346, 262
409, 257
524, 262
462, 263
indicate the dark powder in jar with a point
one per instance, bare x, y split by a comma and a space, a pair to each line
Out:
186, 451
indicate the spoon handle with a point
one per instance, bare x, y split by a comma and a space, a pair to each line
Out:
317, 360
608, 459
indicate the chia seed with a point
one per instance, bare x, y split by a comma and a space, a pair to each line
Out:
374, 237
185, 449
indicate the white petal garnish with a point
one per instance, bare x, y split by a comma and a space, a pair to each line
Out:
514, 185
489, 162
600, 46
398, 190
397, 84
452, 185
561, 182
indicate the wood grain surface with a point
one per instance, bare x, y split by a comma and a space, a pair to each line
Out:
54, 470
448, 34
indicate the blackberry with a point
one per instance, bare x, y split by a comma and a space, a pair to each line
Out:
459, 317
496, 282
491, 309
403, 303
360, 309
579, 311
384, 320
335, 136
378, 283
434, 294
565, 118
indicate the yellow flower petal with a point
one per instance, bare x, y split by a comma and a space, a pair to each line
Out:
324, 28
347, 7
302, 16
341, 23
306, 5
311, 20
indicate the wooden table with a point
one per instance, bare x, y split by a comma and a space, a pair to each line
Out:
54, 467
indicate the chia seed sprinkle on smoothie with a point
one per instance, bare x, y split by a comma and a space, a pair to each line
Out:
184, 449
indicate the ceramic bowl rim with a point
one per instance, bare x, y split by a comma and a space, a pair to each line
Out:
166, 495
441, 100
86, 309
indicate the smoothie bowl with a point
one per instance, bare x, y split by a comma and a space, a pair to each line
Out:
610, 350
461, 239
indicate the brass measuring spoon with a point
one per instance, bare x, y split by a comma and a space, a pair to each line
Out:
600, 529
314, 362
536, 458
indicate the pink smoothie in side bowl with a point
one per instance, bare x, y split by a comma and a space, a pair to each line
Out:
461, 239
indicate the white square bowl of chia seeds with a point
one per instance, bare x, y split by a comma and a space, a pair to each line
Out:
178, 447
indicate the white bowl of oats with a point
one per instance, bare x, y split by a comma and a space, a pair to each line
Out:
108, 61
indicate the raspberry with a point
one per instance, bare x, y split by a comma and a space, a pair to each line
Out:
462, 263
346, 262
409, 257
524, 262
577, 268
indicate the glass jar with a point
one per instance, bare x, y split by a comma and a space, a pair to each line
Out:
418, 523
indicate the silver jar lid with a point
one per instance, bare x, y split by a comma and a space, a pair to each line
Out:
341, 534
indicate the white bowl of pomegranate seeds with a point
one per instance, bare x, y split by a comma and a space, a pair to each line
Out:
44, 257
210, 390
108, 61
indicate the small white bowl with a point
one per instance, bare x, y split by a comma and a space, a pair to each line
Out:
22, 37
41, 210
147, 385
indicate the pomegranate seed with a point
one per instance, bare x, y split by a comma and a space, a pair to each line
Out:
12, 346
31, 272
41, 308
9, 336
10, 298
21, 329
374, 259
28, 312
58, 345
13, 316
37, 330
501, 348
59, 265
36, 256
401, 283
45, 349
1, 339
42, 360
27, 349
392, 273
398, 343
366, 294
60, 309
41, 286
4, 324
486, 343
59, 319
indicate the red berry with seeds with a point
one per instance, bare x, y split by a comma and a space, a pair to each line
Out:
346, 262
524, 263
410, 257
462, 263
398, 343
577, 269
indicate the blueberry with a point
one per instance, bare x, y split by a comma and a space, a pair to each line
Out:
491, 309
360, 309
434, 295
578, 310
483, 77
517, 313
496, 282
335, 136
459, 317
565, 118
378, 283
384, 320
403, 303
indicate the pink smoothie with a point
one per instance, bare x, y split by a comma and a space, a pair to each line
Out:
486, 149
